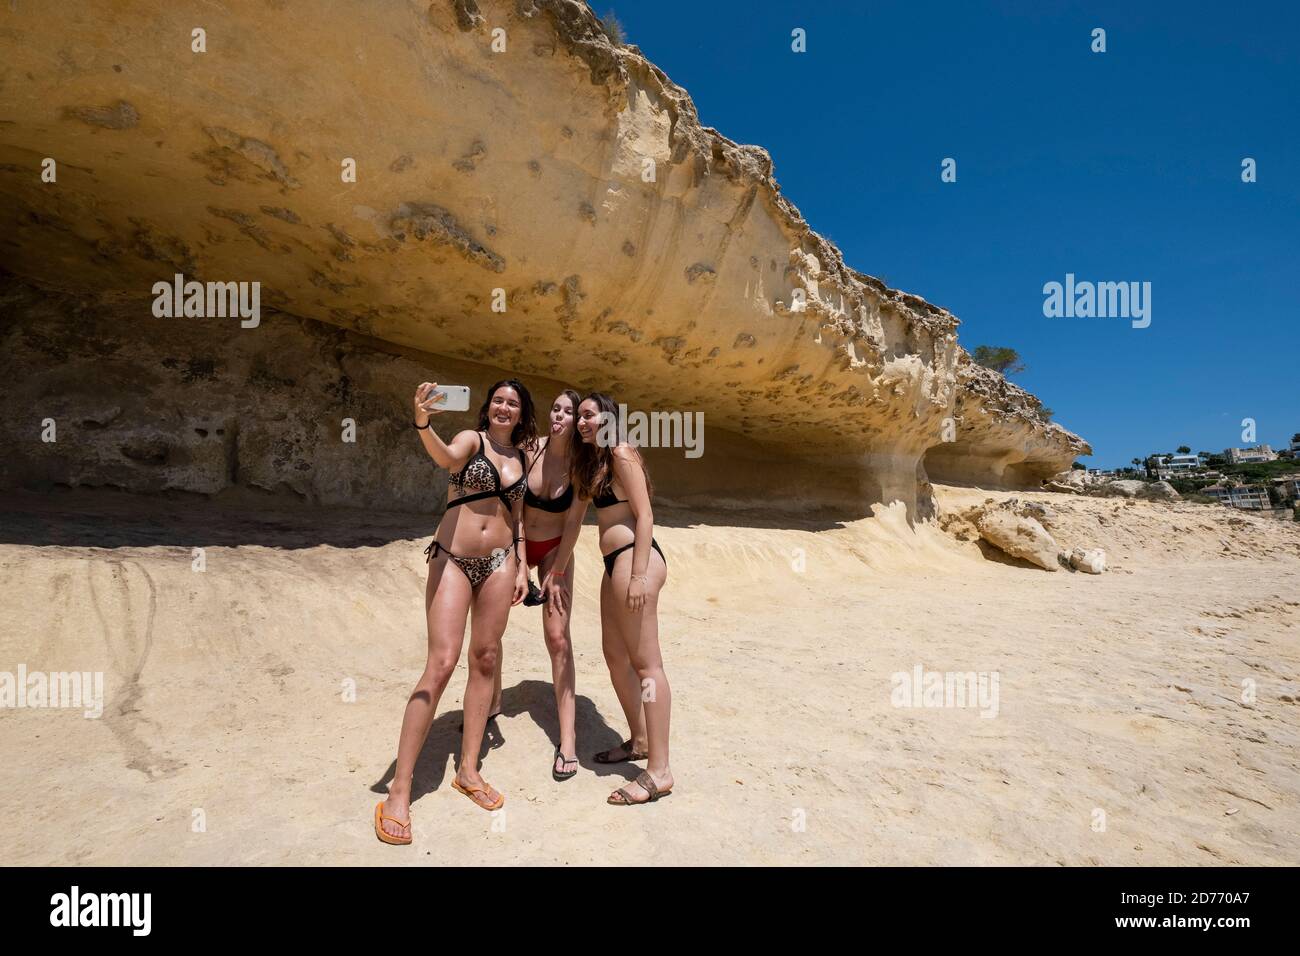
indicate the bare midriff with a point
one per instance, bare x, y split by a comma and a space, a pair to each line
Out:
542, 525
475, 529
617, 525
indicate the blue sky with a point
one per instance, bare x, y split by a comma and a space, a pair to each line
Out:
1115, 166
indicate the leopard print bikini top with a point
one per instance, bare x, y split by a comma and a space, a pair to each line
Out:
479, 479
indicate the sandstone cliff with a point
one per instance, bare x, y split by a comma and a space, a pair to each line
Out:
635, 250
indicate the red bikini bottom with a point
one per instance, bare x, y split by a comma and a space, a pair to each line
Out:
536, 550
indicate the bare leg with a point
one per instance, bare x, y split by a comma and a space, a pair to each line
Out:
446, 602
559, 644
488, 623
495, 707
640, 633
627, 685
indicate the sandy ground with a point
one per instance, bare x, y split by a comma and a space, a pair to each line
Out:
1120, 735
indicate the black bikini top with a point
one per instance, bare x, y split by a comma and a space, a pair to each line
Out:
553, 505
481, 478
606, 499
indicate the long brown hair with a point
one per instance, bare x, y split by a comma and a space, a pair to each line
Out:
524, 434
591, 471
575, 399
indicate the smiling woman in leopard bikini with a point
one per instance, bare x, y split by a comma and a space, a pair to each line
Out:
474, 562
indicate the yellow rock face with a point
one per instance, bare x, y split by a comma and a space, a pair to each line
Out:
506, 155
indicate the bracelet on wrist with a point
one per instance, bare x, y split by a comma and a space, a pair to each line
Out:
421, 427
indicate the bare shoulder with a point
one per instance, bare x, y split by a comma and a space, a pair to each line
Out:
465, 441
628, 469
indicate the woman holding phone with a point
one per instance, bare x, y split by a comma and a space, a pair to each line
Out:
610, 474
474, 562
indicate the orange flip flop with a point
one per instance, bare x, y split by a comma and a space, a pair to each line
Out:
470, 791
388, 837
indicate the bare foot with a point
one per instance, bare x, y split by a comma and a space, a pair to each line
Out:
397, 805
627, 750
565, 764
478, 790
635, 793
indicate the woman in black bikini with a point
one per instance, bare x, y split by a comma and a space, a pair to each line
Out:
615, 480
547, 496
477, 537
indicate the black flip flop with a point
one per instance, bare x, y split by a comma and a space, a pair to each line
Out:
604, 755
562, 775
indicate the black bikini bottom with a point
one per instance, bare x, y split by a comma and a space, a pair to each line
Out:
613, 555
476, 570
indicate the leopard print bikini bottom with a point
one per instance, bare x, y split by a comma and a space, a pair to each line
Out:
476, 570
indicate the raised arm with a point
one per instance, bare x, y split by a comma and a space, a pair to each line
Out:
449, 456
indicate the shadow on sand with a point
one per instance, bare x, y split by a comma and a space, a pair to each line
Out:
108, 518
534, 699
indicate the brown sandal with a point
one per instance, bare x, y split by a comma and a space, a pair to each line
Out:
646, 783
605, 756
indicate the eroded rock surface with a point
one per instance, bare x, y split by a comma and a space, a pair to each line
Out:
1019, 536
100, 393
1075, 481
1088, 560
636, 250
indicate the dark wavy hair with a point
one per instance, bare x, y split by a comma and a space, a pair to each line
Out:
525, 431
592, 470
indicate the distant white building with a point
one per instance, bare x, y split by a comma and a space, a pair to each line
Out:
1245, 456
1249, 497
1178, 465
1295, 442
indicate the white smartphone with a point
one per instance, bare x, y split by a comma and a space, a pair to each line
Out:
457, 399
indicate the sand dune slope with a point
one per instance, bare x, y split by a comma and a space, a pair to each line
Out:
1120, 735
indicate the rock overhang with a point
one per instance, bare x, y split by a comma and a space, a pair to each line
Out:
482, 177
